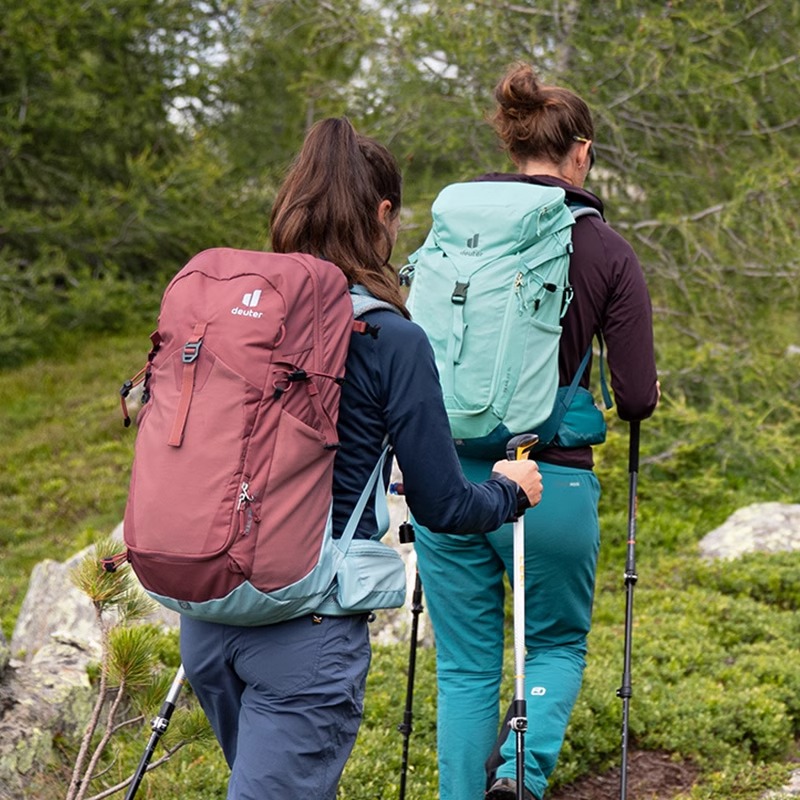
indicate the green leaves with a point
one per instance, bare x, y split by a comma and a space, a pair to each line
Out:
102, 177
132, 657
137, 133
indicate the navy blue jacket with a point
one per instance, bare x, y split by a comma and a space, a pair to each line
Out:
392, 387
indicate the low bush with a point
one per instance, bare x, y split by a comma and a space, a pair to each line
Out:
714, 643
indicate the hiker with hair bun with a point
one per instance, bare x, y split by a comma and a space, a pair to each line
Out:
548, 133
285, 700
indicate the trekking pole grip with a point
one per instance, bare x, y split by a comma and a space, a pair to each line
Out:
518, 447
633, 447
633, 501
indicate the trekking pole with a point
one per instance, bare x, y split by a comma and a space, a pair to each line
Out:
625, 691
517, 449
159, 725
406, 726
406, 536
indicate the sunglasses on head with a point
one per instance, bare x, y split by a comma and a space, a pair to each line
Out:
584, 140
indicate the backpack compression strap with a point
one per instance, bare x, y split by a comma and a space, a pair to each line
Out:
374, 485
547, 432
190, 352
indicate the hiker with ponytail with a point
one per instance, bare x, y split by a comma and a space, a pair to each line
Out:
285, 700
549, 135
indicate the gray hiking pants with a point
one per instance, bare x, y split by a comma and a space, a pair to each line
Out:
285, 700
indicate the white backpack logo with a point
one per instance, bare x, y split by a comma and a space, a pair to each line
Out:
250, 300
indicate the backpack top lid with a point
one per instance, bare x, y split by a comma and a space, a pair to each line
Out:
492, 219
256, 302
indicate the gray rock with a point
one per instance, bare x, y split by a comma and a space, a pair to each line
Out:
51, 695
53, 604
54, 607
45, 690
791, 790
761, 527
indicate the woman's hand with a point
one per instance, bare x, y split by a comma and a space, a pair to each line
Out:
525, 474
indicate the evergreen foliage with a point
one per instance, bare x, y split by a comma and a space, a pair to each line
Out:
105, 181
129, 666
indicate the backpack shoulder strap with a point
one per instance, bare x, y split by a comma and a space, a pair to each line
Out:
363, 302
549, 429
374, 484
609, 403
579, 210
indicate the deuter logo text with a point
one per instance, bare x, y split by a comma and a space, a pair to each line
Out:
250, 300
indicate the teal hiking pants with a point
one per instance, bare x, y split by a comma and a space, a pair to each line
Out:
462, 578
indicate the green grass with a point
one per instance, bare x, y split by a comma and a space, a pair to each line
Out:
66, 456
715, 645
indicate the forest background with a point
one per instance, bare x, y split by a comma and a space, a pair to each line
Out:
134, 133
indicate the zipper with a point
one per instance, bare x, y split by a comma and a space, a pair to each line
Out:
519, 285
245, 509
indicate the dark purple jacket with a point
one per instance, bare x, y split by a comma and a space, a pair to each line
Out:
611, 299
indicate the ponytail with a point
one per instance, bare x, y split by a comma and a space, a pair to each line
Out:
328, 206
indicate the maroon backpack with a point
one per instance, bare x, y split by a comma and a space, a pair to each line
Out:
228, 516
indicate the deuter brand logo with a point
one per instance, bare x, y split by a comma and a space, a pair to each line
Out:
472, 246
251, 298
250, 301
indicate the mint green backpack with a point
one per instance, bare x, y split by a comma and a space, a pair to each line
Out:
490, 286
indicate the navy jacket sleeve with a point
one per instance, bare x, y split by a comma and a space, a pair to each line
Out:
392, 388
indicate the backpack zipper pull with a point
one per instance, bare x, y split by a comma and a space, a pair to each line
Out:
247, 514
519, 285
244, 496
